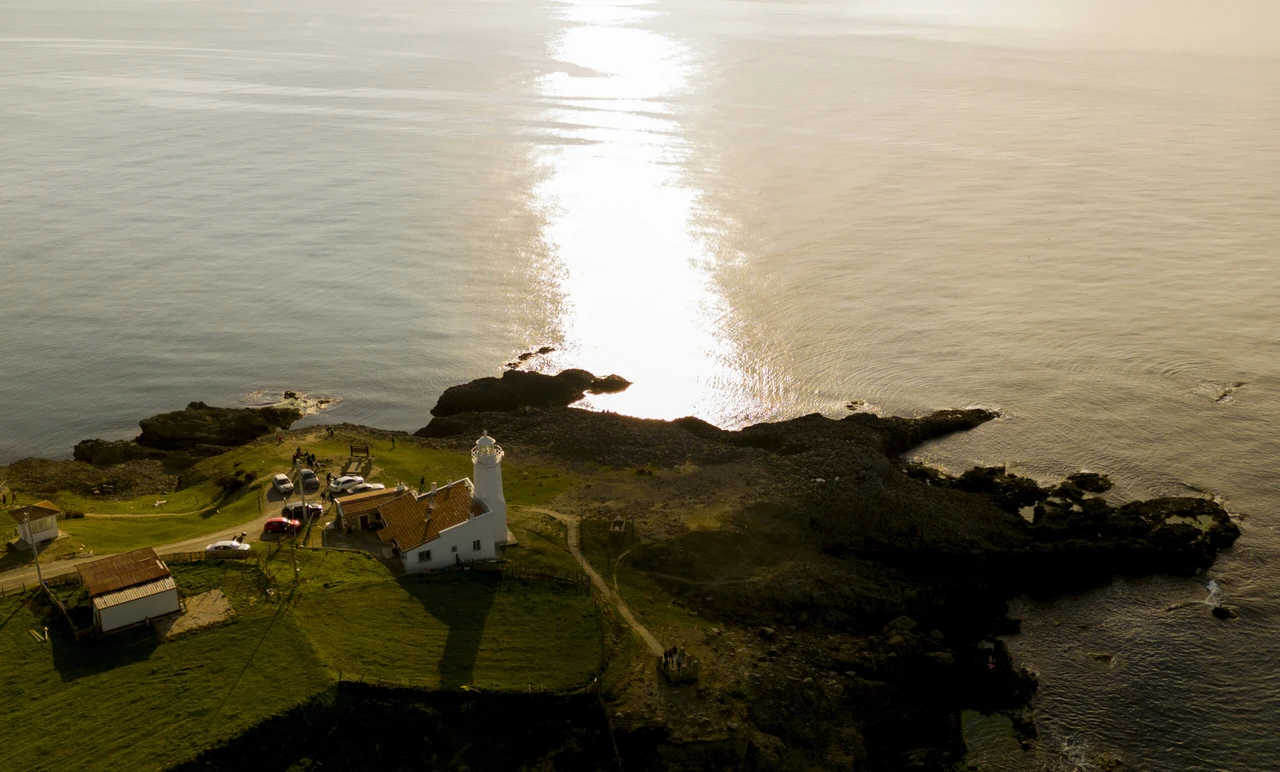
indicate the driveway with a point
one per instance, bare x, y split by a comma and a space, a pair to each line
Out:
18, 577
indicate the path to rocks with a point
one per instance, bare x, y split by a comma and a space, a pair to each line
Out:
571, 526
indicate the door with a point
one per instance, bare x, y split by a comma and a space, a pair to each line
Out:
364, 522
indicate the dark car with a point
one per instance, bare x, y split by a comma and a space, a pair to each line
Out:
281, 525
295, 511
310, 482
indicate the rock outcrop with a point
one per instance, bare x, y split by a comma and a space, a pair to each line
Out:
517, 389
107, 452
199, 424
180, 439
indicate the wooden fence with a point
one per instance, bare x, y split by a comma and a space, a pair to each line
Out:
516, 571
202, 555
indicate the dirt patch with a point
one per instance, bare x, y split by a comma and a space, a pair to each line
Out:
202, 610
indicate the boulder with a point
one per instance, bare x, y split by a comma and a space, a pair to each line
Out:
517, 389
1090, 481
904, 623
106, 452
200, 424
1007, 490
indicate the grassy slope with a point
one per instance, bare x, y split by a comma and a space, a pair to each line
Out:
129, 702
463, 628
543, 542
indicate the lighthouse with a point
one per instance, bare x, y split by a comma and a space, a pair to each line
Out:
486, 461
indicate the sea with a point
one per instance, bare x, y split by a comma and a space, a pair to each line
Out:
1067, 210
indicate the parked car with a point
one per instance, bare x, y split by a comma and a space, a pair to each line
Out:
345, 483
282, 485
365, 487
227, 548
310, 482
297, 511
280, 525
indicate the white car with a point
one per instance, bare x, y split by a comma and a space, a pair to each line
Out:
365, 487
345, 483
227, 548
282, 485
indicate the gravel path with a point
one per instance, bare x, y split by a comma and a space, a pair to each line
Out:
571, 526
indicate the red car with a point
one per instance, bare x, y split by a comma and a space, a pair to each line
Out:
281, 525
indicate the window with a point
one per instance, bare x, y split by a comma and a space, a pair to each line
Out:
475, 545
424, 556
454, 548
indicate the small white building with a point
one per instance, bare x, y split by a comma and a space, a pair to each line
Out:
37, 522
458, 523
132, 588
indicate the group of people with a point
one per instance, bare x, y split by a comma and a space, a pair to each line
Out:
308, 458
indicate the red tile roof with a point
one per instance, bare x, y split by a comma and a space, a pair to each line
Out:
410, 521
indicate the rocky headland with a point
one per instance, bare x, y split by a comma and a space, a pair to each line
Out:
846, 604
857, 598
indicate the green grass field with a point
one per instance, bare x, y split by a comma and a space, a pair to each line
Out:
130, 702
543, 542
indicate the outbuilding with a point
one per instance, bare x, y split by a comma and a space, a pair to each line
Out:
359, 511
37, 522
129, 589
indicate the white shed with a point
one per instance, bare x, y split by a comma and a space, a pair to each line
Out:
37, 522
128, 589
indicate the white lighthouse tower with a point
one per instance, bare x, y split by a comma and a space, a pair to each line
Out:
486, 461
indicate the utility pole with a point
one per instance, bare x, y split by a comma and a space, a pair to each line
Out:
35, 551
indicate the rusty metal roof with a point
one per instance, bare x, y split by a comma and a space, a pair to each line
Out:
34, 511
120, 571
136, 592
361, 503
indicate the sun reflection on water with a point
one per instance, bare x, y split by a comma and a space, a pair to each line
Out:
632, 260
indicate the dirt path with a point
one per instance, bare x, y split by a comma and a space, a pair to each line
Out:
571, 526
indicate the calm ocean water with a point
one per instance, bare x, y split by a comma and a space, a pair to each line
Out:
1066, 209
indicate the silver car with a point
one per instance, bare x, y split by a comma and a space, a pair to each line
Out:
282, 485
345, 483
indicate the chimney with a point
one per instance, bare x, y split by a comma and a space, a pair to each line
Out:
433, 487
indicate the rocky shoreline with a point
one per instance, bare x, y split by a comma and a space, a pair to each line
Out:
857, 599
883, 622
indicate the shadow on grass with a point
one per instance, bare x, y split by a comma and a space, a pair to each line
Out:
14, 557
461, 600
90, 656
226, 499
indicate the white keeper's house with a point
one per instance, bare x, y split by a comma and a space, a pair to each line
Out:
36, 522
448, 525
129, 589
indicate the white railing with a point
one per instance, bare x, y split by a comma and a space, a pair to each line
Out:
491, 450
